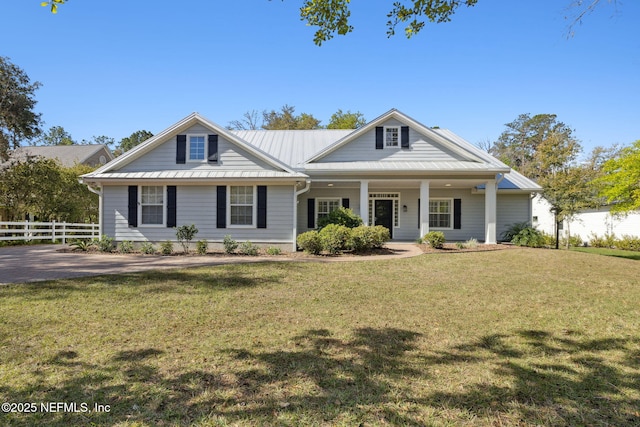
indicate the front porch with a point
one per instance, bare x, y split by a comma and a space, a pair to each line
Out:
456, 206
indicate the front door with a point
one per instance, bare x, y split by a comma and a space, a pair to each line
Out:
384, 214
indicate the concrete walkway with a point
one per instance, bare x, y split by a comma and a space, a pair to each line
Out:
32, 263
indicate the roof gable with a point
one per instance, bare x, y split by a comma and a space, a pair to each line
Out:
184, 125
67, 155
452, 149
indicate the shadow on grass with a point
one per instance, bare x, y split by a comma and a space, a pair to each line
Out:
610, 252
378, 376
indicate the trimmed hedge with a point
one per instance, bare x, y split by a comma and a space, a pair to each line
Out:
335, 239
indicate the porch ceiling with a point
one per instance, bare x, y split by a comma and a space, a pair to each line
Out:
399, 183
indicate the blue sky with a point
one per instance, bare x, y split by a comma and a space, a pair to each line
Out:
111, 68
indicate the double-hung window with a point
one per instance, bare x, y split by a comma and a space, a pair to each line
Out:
197, 148
440, 213
391, 136
241, 205
325, 207
152, 203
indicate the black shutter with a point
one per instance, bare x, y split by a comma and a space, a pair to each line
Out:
457, 214
133, 205
213, 149
171, 206
379, 137
419, 215
221, 207
262, 206
181, 149
404, 136
345, 203
311, 213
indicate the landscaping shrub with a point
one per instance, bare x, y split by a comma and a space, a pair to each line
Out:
628, 243
435, 239
334, 238
104, 243
274, 250
125, 247
471, 243
83, 245
201, 247
607, 241
574, 241
147, 248
166, 247
513, 230
364, 238
248, 248
341, 216
530, 237
460, 245
309, 242
229, 244
185, 234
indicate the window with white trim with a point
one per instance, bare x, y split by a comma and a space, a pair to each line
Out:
197, 148
152, 205
325, 206
392, 136
440, 213
241, 205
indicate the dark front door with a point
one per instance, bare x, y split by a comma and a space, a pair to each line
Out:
384, 214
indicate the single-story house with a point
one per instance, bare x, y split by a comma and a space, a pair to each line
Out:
269, 186
587, 223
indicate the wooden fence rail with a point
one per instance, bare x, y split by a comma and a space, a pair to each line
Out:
53, 231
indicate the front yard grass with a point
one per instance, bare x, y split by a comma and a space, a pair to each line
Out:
609, 252
518, 337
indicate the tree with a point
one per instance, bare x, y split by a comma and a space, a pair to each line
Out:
620, 182
133, 140
286, 119
17, 119
348, 120
332, 16
57, 135
248, 122
45, 189
536, 146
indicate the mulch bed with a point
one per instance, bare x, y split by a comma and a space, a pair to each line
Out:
452, 248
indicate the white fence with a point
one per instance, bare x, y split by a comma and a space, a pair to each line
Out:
47, 231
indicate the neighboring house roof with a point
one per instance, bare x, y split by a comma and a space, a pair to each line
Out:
67, 155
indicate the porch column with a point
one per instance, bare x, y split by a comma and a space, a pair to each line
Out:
424, 207
490, 202
364, 201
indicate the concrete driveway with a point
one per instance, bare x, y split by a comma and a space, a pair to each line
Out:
32, 263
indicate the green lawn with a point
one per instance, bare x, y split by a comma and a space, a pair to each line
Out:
518, 337
609, 252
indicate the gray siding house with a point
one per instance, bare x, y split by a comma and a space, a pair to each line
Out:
270, 186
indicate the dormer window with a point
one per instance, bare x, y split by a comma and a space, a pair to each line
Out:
391, 136
196, 148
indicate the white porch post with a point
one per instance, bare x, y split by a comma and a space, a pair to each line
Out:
364, 201
424, 207
490, 202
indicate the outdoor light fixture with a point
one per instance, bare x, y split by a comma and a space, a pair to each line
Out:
329, 185
404, 208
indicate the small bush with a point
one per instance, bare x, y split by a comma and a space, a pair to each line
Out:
574, 241
83, 245
607, 241
104, 243
274, 250
341, 216
248, 248
334, 238
530, 237
125, 247
460, 245
166, 247
229, 244
201, 247
628, 243
147, 248
310, 242
471, 243
435, 239
513, 230
185, 234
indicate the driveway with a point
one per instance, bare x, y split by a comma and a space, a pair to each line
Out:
32, 263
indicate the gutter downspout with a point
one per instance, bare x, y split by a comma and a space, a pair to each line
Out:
100, 204
306, 188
